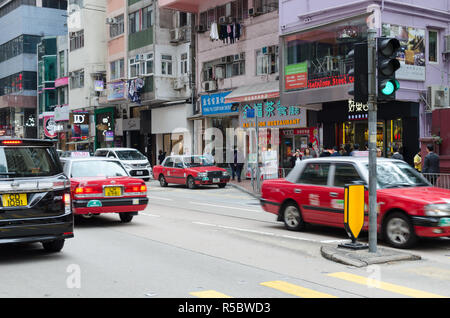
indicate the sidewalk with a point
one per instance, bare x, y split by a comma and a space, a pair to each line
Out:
245, 186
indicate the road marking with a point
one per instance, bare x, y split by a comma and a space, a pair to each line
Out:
209, 294
433, 272
159, 198
372, 283
256, 232
296, 290
151, 215
223, 206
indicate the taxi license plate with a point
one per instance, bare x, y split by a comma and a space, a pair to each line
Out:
14, 200
113, 192
444, 222
216, 180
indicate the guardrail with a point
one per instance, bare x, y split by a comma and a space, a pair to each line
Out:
439, 180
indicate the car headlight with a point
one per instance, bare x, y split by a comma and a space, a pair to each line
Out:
127, 166
202, 174
437, 210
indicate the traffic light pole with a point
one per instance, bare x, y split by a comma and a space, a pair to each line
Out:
372, 103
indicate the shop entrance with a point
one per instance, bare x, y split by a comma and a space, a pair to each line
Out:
289, 144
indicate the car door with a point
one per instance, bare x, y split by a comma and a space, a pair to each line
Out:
178, 173
313, 196
343, 174
167, 170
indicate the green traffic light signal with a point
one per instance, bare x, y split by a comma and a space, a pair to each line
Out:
389, 87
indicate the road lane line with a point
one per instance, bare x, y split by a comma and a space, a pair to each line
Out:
159, 198
372, 283
209, 294
256, 232
223, 206
152, 215
296, 290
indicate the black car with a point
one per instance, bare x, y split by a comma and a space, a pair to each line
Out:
35, 201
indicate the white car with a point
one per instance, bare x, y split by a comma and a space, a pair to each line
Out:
136, 164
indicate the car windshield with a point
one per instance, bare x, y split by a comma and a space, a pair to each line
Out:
398, 175
28, 162
130, 155
197, 161
97, 168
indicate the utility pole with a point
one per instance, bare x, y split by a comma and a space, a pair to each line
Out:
372, 103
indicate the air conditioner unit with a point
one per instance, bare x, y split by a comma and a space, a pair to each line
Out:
210, 86
200, 28
438, 97
447, 44
253, 12
179, 84
111, 20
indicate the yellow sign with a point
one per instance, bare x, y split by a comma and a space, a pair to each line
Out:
354, 210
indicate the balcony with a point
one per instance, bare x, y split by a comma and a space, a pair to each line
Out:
191, 6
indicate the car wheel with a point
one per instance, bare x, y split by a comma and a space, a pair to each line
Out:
87, 216
53, 246
191, 183
399, 231
162, 181
222, 185
125, 217
292, 217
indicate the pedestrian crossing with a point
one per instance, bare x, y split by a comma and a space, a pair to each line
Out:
290, 289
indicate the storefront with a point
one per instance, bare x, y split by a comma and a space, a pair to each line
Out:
346, 122
104, 127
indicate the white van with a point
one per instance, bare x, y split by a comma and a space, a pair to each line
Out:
136, 164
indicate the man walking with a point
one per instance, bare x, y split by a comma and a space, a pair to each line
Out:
431, 164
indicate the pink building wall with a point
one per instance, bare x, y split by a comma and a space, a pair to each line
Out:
117, 48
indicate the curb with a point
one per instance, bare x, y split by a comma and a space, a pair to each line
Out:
256, 196
363, 258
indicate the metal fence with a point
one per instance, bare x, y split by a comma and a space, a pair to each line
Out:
439, 180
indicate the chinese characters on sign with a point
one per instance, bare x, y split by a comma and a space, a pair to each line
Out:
273, 114
215, 104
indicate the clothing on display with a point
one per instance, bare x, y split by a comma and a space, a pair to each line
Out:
228, 33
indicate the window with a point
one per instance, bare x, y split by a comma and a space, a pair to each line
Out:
62, 69
433, 48
77, 79
117, 28
141, 20
117, 69
225, 67
266, 6
345, 174
166, 65
267, 60
184, 64
148, 64
315, 173
168, 162
134, 68
55, 4
142, 64
76, 40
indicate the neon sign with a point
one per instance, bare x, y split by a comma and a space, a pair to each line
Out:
331, 81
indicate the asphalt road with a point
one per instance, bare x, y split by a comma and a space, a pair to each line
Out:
210, 242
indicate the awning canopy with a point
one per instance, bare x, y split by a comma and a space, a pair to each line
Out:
254, 92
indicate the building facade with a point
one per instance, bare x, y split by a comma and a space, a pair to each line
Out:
315, 40
23, 24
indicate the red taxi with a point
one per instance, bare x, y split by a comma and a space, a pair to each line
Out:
102, 185
409, 207
191, 171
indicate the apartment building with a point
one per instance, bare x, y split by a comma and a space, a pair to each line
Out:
23, 24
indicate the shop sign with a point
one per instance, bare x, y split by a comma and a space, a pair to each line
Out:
331, 81
116, 91
49, 127
272, 115
296, 76
99, 86
412, 52
215, 104
62, 113
63, 81
109, 135
79, 118
357, 111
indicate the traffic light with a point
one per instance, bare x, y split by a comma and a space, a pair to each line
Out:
360, 73
387, 65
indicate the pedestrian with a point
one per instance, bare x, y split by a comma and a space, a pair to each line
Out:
397, 155
347, 150
238, 165
161, 156
336, 152
418, 161
307, 154
379, 153
355, 150
431, 164
325, 153
312, 151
